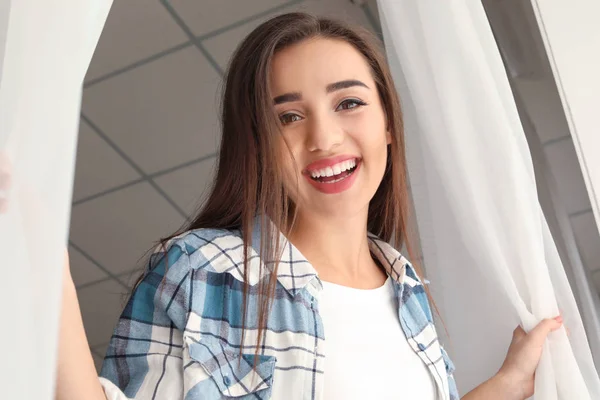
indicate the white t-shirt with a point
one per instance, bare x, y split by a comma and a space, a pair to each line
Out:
367, 354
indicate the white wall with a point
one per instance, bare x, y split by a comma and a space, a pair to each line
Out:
571, 33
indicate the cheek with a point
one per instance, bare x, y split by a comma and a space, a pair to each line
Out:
370, 135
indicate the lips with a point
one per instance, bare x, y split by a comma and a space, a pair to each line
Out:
333, 175
328, 162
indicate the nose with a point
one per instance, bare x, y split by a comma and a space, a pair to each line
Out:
325, 134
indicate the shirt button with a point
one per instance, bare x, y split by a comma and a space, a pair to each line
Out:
226, 380
421, 347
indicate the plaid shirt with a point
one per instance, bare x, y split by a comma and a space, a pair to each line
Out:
179, 335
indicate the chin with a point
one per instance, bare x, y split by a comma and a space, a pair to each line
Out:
343, 206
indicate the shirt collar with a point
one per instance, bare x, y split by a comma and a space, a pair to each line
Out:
295, 272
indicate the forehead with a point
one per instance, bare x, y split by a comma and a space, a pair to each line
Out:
315, 63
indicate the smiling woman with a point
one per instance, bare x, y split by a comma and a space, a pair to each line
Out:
286, 285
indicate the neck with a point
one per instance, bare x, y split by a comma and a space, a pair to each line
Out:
338, 249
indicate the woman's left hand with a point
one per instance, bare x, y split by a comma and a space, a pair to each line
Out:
523, 357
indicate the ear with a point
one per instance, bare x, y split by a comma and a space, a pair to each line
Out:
388, 137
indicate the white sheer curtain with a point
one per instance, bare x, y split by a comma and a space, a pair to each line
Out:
509, 37
45, 49
487, 247
586, 297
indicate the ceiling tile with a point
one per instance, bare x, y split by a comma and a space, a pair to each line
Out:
83, 270
206, 16
564, 166
374, 10
130, 278
118, 229
101, 305
186, 186
135, 29
588, 239
100, 349
98, 167
161, 114
343, 10
221, 47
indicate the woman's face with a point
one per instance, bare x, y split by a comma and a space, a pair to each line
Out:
334, 125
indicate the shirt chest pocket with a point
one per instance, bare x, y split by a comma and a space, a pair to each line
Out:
214, 371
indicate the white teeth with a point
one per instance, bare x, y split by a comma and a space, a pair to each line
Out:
334, 169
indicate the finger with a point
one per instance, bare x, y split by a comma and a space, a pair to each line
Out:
541, 331
566, 329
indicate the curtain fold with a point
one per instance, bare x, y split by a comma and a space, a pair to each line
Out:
487, 248
45, 50
587, 299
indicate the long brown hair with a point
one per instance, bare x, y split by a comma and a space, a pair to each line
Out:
248, 183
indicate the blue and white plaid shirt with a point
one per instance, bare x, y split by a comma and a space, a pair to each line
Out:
179, 336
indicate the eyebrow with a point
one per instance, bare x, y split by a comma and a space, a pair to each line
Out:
332, 87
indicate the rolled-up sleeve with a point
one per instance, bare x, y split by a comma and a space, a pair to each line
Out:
144, 357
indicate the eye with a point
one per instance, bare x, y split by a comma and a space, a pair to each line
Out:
349, 104
288, 118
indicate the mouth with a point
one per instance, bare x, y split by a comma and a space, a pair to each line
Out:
334, 173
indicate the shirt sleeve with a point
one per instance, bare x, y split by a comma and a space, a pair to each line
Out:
144, 357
